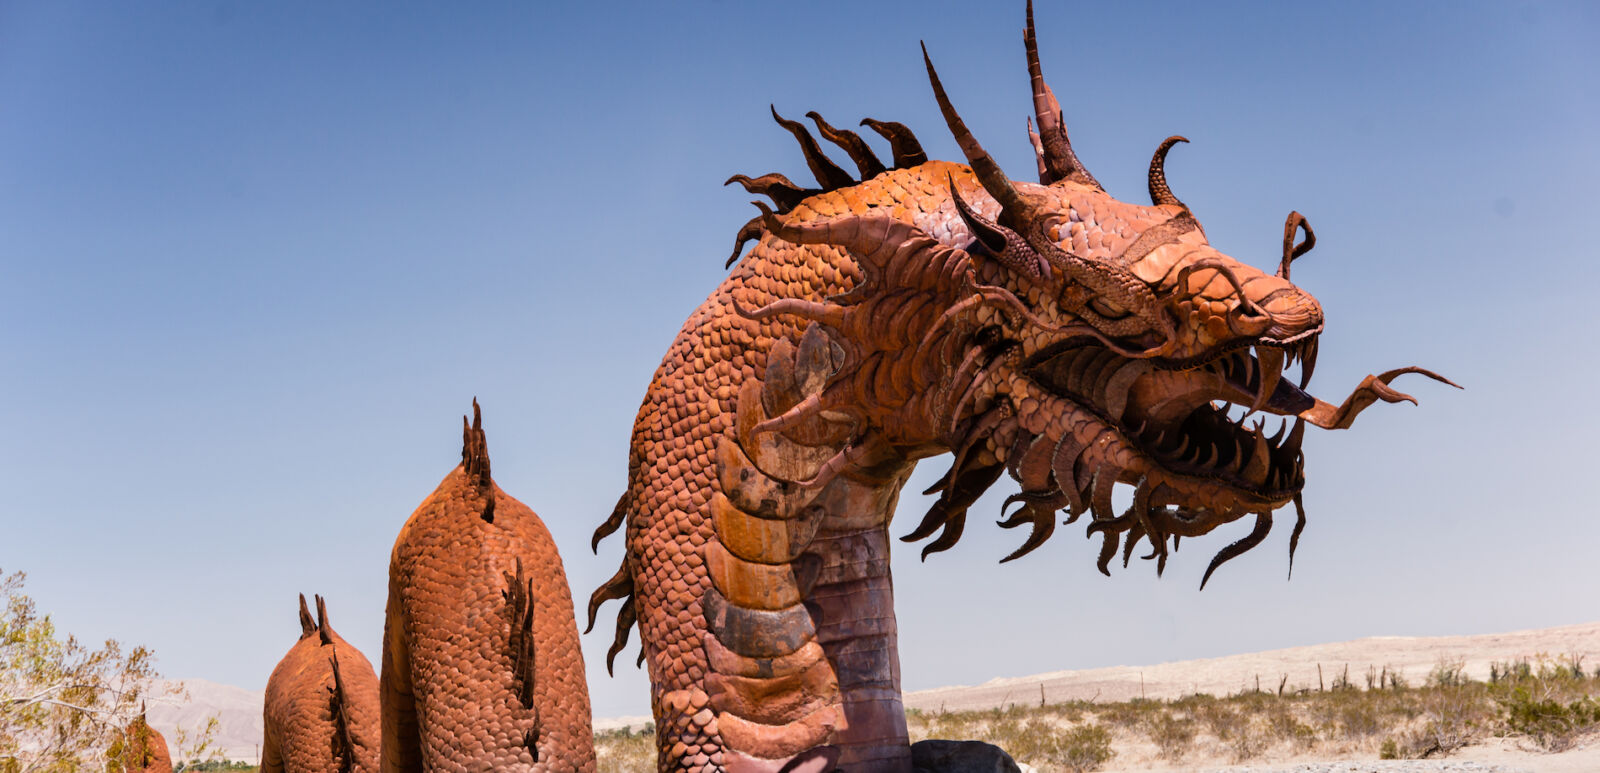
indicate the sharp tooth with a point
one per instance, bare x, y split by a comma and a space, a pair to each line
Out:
1310, 363
1183, 446
1256, 470
1207, 453
1295, 435
1277, 436
1271, 361
1245, 366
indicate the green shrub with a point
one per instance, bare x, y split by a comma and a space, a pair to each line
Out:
1551, 724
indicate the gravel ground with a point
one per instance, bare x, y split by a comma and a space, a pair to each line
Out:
1388, 766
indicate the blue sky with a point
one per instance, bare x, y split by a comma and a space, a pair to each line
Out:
255, 261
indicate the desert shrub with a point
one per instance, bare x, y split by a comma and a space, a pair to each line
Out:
624, 750
1084, 748
1286, 727
1036, 742
1552, 725
1359, 719
1511, 671
1131, 714
1448, 673
1220, 719
1172, 734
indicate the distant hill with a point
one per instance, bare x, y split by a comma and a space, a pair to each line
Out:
1413, 656
239, 710
238, 713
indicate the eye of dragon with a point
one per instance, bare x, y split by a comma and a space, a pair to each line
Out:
1107, 309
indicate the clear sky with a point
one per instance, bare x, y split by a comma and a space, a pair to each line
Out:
256, 259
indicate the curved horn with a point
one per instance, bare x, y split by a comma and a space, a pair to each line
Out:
1059, 159
828, 174
907, 151
1160, 193
1291, 226
867, 163
1014, 211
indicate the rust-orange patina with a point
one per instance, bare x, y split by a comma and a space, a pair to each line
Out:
481, 664
320, 714
1047, 330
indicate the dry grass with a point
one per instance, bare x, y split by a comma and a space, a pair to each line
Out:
1547, 703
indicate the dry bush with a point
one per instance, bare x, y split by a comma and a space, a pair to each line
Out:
624, 751
1173, 735
1084, 748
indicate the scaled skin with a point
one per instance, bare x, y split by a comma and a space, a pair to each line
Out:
143, 749
1051, 331
314, 720
481, 664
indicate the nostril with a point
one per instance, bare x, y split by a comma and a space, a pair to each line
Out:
1249, 319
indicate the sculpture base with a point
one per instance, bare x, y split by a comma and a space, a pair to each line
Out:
936, 756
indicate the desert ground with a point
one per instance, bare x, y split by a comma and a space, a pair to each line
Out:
1296, 669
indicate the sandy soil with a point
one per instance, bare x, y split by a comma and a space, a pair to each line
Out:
1505, 754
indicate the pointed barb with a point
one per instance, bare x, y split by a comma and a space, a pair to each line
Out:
785, 194
907, 151
323, 629
475, 460
1271, 361
828, 174
1060, 161
1254, 538
1160, 192
1014, 211
307, 625
750, 231
1299, 526
866, 163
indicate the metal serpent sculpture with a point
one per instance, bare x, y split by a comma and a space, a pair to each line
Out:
1049, 331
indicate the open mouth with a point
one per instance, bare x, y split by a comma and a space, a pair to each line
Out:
1200, 420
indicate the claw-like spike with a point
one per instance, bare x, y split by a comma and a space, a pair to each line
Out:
1044, 524
625, 619
907, 151
1160, 193
1271, 360
1295, 435
749, 231
783, 192
1108, 548
867, 163
1308, 363
828, 174
1299, 526
1254, 538
1038, 153
1015, 212
1060, 159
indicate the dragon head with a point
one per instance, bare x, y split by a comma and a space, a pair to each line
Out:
1081, 342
